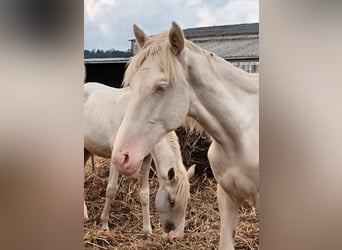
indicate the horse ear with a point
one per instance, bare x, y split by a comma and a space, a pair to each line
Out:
171, 174
191, 171
176, 39
140, 35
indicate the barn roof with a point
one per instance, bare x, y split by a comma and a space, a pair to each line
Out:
231, 49
232, 42
237, 41
222, 30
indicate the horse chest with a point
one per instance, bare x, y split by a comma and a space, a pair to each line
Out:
236, 176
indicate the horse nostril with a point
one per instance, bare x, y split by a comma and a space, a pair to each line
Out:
168, 227
126, 158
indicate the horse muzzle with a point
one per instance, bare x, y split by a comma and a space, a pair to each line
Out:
127, 165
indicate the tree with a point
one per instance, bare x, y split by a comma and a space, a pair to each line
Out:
112, 53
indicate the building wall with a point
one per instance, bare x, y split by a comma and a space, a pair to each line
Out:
248, 66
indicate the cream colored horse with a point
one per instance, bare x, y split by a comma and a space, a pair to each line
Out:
104, 108
172, 78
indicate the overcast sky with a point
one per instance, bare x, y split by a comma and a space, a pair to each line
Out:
108, 23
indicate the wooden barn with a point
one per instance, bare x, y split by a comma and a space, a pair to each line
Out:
237, 43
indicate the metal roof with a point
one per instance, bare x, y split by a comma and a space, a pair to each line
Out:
237, 41
231, 49
222, 30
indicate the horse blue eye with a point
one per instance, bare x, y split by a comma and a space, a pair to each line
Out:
162, 87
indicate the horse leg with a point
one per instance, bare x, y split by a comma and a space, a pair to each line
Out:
85, 210
111, 190
229, 209
145, 194
86, 156
93, 164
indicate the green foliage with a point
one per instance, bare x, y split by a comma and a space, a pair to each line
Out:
99, 53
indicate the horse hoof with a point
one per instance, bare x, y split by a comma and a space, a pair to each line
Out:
148, 231
105, 227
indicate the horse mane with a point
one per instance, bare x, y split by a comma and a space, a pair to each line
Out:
181, 191
192, 126
159, 50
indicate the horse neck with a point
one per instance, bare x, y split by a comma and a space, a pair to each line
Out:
224, 99
167, 154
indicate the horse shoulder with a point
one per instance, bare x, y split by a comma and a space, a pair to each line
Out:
237, 175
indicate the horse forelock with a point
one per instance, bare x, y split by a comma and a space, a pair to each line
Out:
158, 49
182, 188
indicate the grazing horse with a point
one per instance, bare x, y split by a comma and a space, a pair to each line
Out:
172, 78
104, 108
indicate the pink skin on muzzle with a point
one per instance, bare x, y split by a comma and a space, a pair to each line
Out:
128, 159
127, 164
172, 235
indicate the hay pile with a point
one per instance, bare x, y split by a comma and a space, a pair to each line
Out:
194, 147
202, 220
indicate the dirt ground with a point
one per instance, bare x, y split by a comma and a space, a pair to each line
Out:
202, 219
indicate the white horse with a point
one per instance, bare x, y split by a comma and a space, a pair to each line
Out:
172, 78
104, 108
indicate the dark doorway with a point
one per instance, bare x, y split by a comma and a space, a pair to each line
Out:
110, 74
